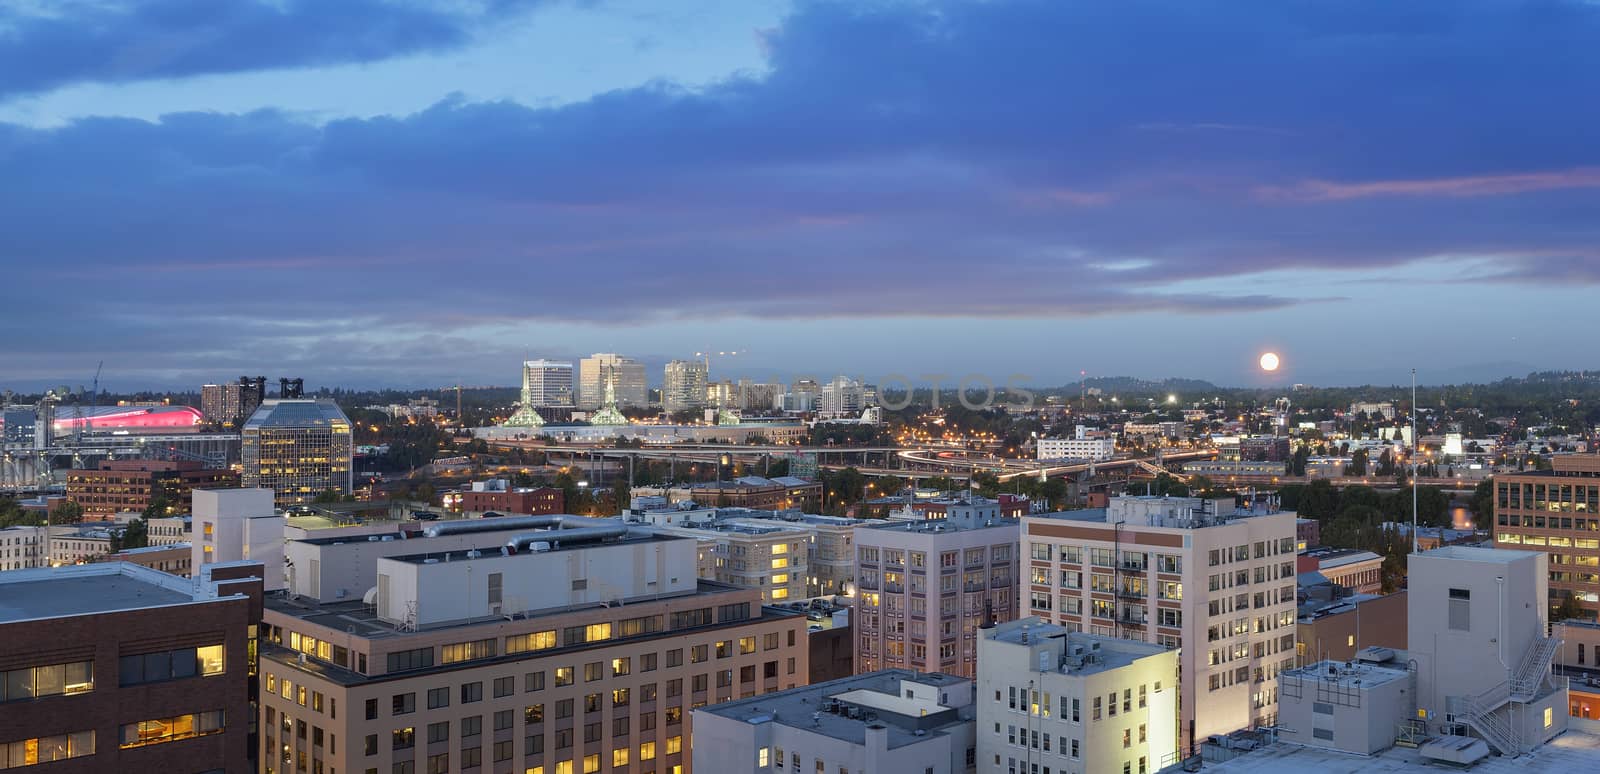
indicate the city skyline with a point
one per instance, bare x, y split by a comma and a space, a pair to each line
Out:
825, 187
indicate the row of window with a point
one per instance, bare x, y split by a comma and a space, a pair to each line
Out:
1038, 703
178, 727
46, 749
164, 665
49, 680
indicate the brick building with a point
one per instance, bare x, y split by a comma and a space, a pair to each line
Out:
117, 667
129, 485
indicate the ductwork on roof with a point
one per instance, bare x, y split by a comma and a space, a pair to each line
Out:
556, 537
464, 526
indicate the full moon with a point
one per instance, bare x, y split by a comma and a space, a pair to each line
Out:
1269, 361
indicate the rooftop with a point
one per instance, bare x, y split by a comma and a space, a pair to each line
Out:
1109, 652
1476, 554
88, 589
275, 412
1347, 674
1338, 557
554, 538
1572, 751
843, 709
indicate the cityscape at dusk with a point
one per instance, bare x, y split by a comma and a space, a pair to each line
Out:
799, 386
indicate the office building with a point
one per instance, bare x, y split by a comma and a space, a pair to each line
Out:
574, 648
893, 720
738, 545
1556, 512
236, 525
297, 448
626, 376
683, 385
118, 486
926, 587
1076, 448
842, 396
1201, 575
118, 667
1072, 702
547, 382
779, 493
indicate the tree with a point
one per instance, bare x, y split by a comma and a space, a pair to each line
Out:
1566, 609
1297, 465
158, 507
12, 514
1358, 464
137, 535
67, 512
1483, 502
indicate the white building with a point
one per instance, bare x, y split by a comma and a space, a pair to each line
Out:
547, 382
625, 374
232, 525
843, 395
889, 721
1477, 623
1074, 703
23, 548
1217, 581
1354, 706
683, 385
1077, 448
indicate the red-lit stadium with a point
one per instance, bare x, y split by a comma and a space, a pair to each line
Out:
128, 419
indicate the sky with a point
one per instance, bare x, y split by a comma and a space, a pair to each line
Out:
409, 193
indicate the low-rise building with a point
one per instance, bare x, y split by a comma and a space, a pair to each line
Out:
1353, 706
499, 496
1359, 571
131, 485
892, 720
117, 667
1075, 703
173, 559
167, 530
1095, 449
22, 548
1333, 627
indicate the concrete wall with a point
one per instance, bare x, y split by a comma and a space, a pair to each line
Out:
221, 533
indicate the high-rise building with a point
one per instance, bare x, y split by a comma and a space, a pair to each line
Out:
119, 667
1072, 702
232, 402
1556, 511
547, 383
1201, 575
843, 395
297, 448
131, 485
894, 720
683, 385
574, 649
626, 376
926, 587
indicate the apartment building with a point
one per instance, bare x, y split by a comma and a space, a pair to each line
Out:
1074, 703
926, 587
574, 648
22, 548
894, 720
167, 530
117, 667
1201, 575
1556, 512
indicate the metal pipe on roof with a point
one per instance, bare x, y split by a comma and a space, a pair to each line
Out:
463, 526
556, 537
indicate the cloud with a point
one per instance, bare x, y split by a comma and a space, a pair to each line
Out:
77, 41
981, 161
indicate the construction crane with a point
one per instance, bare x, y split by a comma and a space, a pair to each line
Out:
94, 404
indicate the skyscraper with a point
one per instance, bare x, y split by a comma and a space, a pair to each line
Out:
297, 448
683, 385
547, 383
626, 375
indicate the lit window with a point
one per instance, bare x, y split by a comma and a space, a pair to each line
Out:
1549, 717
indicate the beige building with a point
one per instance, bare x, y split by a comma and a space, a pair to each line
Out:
1200, 575
22, 548
1074, 703
167, 530
570, 649
732, 540
926, 586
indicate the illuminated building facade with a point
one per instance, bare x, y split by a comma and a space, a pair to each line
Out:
297, 448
